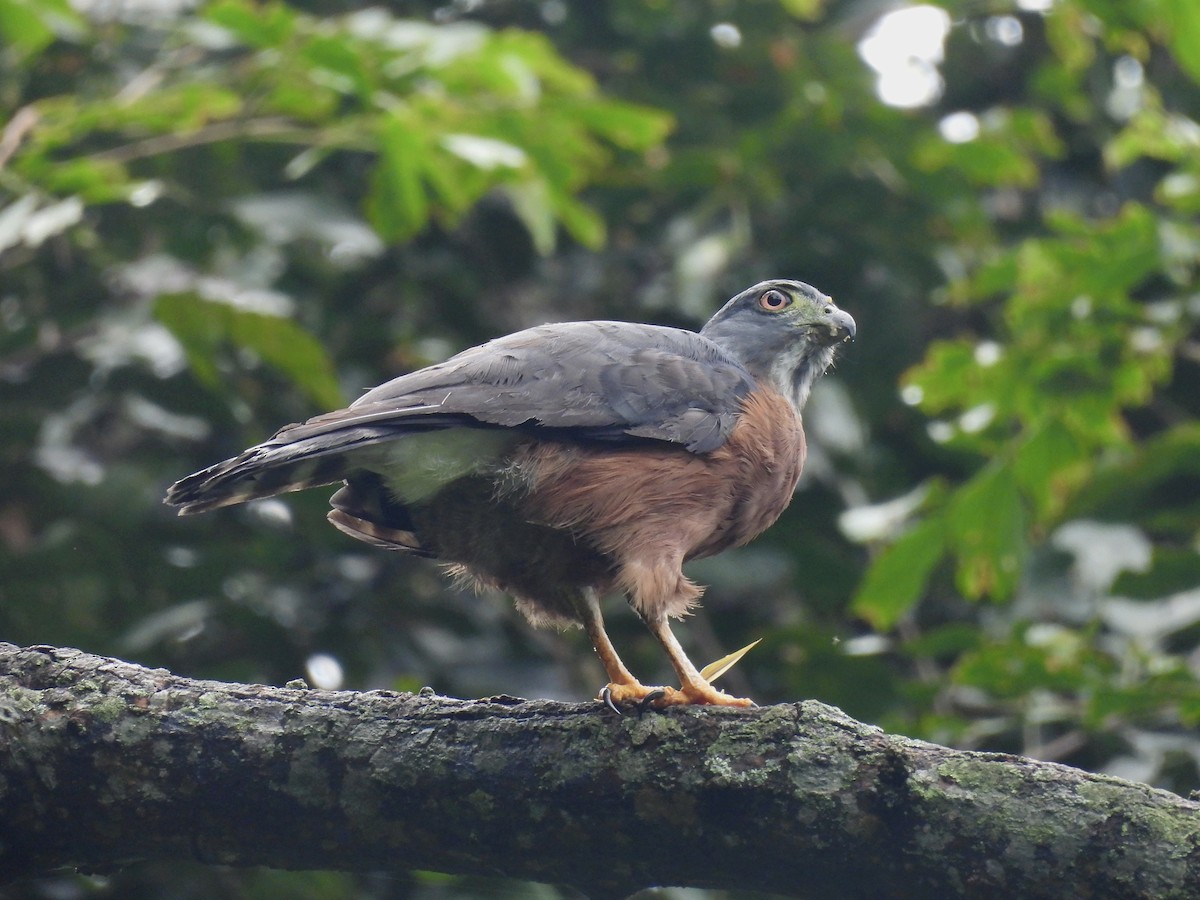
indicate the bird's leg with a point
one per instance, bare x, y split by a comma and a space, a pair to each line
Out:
622, 686
694, 688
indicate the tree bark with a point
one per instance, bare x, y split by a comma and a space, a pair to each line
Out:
103, 763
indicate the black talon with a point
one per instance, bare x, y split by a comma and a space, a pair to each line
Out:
606, 696
644, 703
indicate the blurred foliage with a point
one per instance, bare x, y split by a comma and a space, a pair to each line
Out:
217, 218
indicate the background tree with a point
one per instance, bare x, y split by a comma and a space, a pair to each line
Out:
221, 218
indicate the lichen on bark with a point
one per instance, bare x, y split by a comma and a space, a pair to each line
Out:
110, 762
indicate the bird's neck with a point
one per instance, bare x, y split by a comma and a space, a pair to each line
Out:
794, 371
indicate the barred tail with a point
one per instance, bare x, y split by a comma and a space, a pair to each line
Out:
364, 509
257, 473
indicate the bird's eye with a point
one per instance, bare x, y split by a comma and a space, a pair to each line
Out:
774, 301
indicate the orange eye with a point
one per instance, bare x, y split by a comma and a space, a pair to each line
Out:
774, 301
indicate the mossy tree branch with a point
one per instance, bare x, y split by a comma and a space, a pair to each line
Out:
104, 762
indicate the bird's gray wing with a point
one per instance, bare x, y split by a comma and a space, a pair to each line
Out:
599, 380
603, 381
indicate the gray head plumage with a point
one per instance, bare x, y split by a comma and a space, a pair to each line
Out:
784, 332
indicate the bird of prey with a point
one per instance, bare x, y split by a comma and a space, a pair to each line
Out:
565, 461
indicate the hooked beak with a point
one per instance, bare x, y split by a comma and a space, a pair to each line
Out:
841, 326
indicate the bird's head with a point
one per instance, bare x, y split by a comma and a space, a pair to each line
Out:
784, 332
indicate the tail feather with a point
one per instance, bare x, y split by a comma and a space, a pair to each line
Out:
378, 535
363, 508
226, 485
272, 468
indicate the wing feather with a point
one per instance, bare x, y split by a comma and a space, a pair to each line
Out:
598, 379
605, 381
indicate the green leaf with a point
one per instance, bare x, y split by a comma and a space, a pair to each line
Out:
202, 326
29, 26
581, 221
1180, 190
1006, 150
455, 185
947, 641
1049, 466
984, 161
96, 181
1171, 692
947, 372
1182, 32
1153, 132
531, 203
897, 577
624, 124
22, 28
805, 10
179, 108
398, 206
1057, 660
1174, 570
1146, 487
997, 275
986, 527
1069, 34
338, 56
256, 24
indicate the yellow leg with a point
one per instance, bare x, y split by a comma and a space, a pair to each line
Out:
622, 686
694, 688
593, 623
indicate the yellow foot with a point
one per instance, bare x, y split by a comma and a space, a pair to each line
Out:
636, 694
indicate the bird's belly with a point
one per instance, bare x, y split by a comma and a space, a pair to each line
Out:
483, 528
760, 467
658, 501
757, 502
545, 519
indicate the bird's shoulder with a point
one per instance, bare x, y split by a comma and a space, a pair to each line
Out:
593, 380
543, 351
